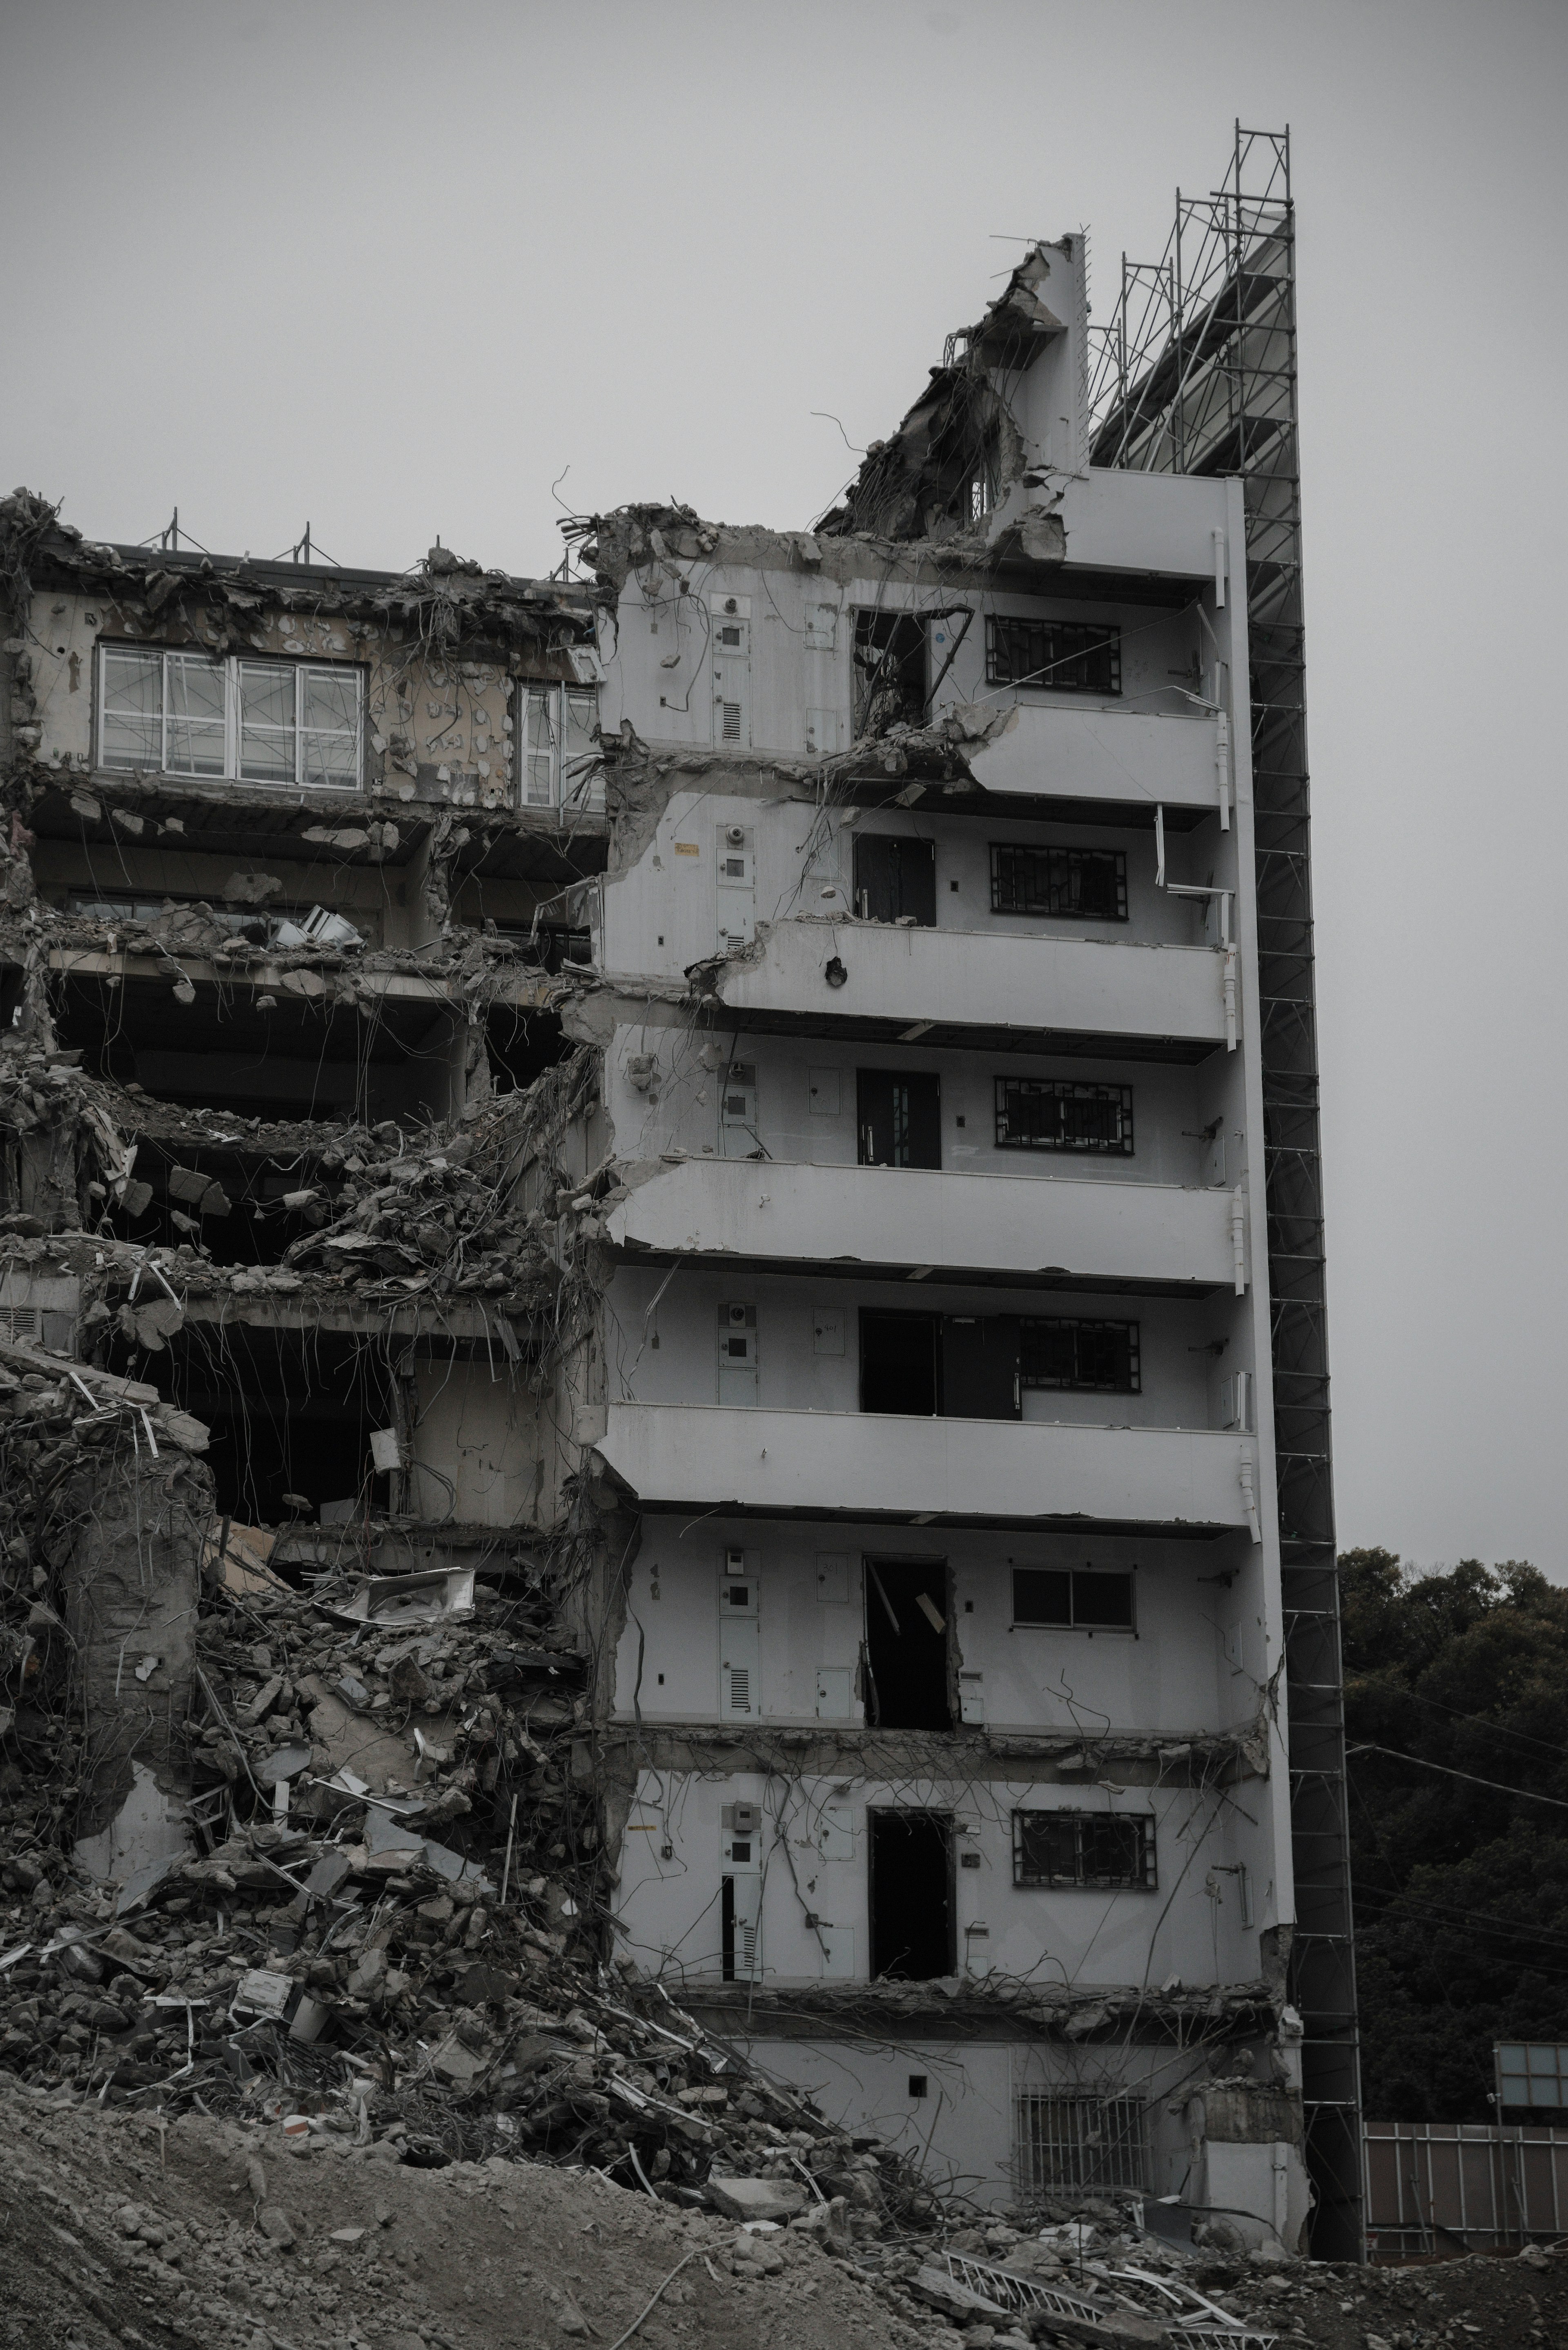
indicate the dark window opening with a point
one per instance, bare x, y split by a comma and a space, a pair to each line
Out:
1080, 1599
906, 1644
1091, 883
1078, 656
919, 2085
1056, 1113
901, 1364
889, 670
900, 1117
896, 879
519, 1046
952, 1365
911, 1895
1088, 1358
1095, 1849
290, 1412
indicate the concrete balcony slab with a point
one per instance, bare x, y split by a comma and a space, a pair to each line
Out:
1025, 1231
983, 989
823, 1465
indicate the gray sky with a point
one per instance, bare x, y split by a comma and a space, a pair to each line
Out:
395, 268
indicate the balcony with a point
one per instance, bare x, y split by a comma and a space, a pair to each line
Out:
806, 1465
1050, 1230
1116, 761
980, 990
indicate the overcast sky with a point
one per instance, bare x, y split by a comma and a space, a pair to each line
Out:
395, 270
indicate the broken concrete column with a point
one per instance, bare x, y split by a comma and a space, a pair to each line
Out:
129, 1583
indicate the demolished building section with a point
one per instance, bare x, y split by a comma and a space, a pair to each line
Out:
638, 1202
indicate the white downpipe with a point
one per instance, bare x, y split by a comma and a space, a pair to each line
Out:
1239, 1242
1249, 1499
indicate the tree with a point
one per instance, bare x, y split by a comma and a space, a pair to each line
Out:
1460, 1890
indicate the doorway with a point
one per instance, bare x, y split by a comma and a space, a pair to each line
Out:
898, 1118
906, 1644
911, 1895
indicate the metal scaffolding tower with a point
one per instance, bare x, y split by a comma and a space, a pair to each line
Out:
1197, 374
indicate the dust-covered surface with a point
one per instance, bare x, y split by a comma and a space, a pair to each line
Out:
120, 2227
113, 2230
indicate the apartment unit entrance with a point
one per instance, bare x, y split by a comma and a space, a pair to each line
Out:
911, 1895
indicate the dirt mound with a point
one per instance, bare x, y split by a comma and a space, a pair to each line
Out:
116, 2230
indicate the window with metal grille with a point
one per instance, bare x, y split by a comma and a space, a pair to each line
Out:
1077, 656
256, 722
1089, 882
1092, 1850
1091, 2144
1092, 1358
1056, 1113
1084, 1601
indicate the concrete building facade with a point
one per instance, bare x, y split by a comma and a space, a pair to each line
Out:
733, 1088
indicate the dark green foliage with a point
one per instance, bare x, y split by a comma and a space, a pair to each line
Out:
1461, 1891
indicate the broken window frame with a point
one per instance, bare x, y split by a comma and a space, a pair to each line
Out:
549, 719
182, 735
1073, 2144
1053, 655
1017, 865
1013, 1092
1087, 1334
1073, 1616
1086, 1839
881, 693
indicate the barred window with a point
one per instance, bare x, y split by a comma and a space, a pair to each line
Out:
1083, 1600
1080, 656
1087, 2144
1090, 1357
1089, 882
1059, 1114
1094, 1850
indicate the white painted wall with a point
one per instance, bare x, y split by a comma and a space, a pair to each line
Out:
1194, 1662
668, 1909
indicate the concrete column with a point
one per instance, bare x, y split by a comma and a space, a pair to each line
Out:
131, 1580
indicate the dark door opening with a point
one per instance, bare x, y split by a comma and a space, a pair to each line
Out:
891, 670
901, 1364
980, 1366
911, 1895
894, 878
899, 1117
906, 1644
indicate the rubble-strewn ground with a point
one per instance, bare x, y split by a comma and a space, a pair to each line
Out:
117, 2227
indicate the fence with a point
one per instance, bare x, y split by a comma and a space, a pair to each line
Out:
1448, 2187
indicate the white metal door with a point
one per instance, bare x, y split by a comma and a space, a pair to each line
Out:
732, 668
737, 1354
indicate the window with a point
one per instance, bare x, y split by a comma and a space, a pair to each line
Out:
1085, 2143
1077, 1599
1092, 1358
1533, 2073
281, 722
1078, 656
1089, 882
561, 764
1095, 1850
1057, 1114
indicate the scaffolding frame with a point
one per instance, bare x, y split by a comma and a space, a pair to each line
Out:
1197, 374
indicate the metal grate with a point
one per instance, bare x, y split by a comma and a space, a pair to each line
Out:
1088, 1358
1091, 883
1059, 1114
1090, 1849
1092, 2144
1075, 655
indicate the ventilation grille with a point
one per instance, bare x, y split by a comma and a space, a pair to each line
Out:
731, 730
1087, 2143
739, 1689
19, 1321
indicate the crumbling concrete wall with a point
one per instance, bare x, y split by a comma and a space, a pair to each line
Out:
129, 1581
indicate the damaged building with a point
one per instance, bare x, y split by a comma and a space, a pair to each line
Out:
722, 1105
